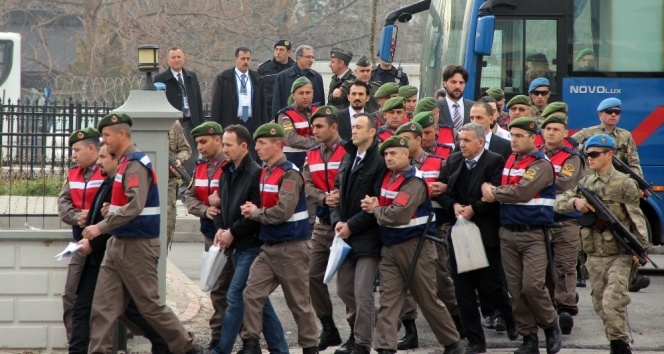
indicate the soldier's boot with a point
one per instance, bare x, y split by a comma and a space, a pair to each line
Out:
639, 282
310, 350
620, 347
329, 336
530, 345
251, 346
347, 347
553, 341
409, 340
499, 324
360, 349
566, 322
454, 348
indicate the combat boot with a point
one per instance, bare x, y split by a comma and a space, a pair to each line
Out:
620, 347
409, 340
454, 348
310, 350
330, 335
251, 346
553, 341
639, 282
566, 322
530, 345
347, 347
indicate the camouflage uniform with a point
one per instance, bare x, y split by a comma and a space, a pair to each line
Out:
609, 264
178, 146
625, 145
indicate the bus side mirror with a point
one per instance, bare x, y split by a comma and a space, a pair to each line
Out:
484, 35
388, 43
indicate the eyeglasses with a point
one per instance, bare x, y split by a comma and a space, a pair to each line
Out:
310, 57
592, 154
612, 111
540, 93
519, 136
520, 109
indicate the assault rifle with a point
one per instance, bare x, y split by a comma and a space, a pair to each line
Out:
603, 218
186, 179
622, 167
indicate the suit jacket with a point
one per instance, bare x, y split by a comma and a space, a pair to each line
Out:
225, 100
345, 129
489, 168
446, 116
174, 95
500, 146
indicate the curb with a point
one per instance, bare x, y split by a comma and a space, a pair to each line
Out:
174, 274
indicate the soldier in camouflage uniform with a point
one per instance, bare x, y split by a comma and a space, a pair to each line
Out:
363, 73
178, 148
609, 264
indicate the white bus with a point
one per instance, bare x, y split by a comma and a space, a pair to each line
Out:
10, 66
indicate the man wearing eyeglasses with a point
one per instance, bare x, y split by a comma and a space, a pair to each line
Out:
304, 60
519, 106
539, 91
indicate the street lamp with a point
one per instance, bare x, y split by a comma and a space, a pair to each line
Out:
148, 63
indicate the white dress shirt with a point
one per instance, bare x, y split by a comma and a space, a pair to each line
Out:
242, 101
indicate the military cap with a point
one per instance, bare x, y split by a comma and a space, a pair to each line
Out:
82, 134
540, 81
283, 43
269, 130
407, 91
427, 104
496, 92
113, 119
393, 141
583, 53
424, 119
525, 123
299, 82
324, 111
410, 127
610, 102
207, 128
386, 90
557, 106
339, 53
555, 118
363, 62
600, 140
519, 99
393, 103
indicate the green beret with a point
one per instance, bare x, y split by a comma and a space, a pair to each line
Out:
424, 119
339, 53
207, 128
519, 99
393, 141
393, 103
407, 91
496, 92
427, 104
411, 127
113, 119
525, 123
557, 106
386, 90
324, 111
299, 82
583, 53
555, 118
363, 62
83, 134
269, 130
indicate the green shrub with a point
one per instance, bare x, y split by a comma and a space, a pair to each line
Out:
46, 186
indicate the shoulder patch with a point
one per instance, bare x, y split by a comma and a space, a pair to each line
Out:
132, 180
530, 174
402, 199
567, 170
288, 186
287, 126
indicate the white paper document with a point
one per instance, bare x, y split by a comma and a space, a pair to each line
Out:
71, 248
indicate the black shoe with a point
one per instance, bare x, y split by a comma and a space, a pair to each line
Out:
251, 346
213, 344
347, 347
329, 336
580, 283
360, 349
409, 340
475, 348
499, 324
488, 322
385, 351
310, 350
454, 348
459, 326
566, 322
639, 282
620, 347
577, 297
553, 341
512, 332
530, 345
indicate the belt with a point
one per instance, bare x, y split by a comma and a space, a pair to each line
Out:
522, 228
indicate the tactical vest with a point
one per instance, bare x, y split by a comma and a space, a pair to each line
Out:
203, 187
300, 122
384, 134
445, 137
442, 151
82, 192
558, 161
430, 172
568, 141
324, 173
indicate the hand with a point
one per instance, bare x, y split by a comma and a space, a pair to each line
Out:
457, 209
86, 249
369, 204
211, 212
214, 199
342, 230
487, 192
247, 209
643, 194
226, 239
332, 198
582, 205
336, 93
178, 163
467, 212
83, 217
104, 209
437, 188
217, 237
636, 261
91, 232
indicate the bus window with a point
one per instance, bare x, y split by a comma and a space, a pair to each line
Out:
5, 60
606, 38
523, 50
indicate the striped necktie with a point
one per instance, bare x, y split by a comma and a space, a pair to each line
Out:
458, 122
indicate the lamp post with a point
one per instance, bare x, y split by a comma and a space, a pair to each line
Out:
148, 63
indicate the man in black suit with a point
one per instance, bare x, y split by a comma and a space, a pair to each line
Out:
464, 174
238, 96
304, 60
184, 94
482, 114
358, 96
454, 109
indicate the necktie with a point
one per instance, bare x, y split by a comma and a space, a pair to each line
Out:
458, 123
357, 162
355, 115
180, 81
243, 91
471, 164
